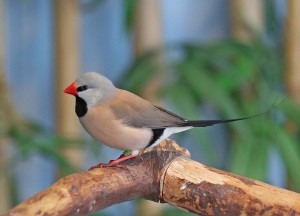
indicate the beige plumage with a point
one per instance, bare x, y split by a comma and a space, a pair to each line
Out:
122, 120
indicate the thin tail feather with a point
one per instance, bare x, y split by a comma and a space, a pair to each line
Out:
206, 123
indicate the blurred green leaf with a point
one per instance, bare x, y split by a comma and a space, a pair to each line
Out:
129, 13
30, 139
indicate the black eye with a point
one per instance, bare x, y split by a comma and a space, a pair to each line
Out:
82, 88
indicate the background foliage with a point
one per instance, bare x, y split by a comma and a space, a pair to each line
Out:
221, 79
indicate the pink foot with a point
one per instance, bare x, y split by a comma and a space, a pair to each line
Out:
113, 162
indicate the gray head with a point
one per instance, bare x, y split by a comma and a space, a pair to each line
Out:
92, 87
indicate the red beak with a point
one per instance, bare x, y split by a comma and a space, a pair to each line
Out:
71, 89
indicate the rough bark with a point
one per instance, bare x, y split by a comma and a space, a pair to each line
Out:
165, 174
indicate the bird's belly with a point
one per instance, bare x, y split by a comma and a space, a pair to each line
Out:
117, 135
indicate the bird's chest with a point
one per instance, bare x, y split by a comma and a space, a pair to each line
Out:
102, 125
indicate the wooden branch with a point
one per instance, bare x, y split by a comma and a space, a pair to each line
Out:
165, 174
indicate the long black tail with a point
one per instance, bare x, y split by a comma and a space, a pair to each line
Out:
205, 123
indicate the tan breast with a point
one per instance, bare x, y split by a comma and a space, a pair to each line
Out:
100, 123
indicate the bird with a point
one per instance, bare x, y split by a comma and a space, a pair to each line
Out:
123, 120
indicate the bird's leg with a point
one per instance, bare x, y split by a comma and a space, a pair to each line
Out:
125, 156
120, 159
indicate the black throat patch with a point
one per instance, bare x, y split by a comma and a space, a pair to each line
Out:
81, 107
